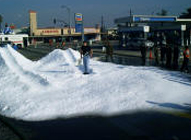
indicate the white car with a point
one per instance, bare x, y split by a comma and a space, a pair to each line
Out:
149, 43
136, 43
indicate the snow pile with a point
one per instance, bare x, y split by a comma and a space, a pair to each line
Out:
55, 87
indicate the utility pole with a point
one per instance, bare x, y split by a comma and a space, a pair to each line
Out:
102, 27
102, 23
130, 17
69, 20
82, 29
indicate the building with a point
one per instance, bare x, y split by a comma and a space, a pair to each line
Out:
65, 32
170, 29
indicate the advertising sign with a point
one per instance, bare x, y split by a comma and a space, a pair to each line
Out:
78, 17
78, 28
78, 22
183, 27
146, 29
154, 19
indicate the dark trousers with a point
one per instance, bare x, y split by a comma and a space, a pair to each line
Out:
185, 65
143, 60
175, 63
168, 62
109, 56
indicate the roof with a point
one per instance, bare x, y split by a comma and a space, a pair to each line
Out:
184, 20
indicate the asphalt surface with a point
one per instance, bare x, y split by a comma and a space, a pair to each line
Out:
6, 133
141, 125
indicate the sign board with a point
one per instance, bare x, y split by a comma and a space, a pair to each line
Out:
183, 27
78, 17
90, 30
78, 28
78, 22
49, 31
146, 29
154, 19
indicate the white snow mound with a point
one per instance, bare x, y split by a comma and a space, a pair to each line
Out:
56, 87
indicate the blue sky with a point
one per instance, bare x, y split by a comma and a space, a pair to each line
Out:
16, 11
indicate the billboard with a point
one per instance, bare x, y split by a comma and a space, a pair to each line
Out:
154, 19
78, 22
78, 17
78, 28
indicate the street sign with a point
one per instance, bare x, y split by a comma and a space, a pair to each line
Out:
183, 27
78, 28
154, 19
78, 22
146, 29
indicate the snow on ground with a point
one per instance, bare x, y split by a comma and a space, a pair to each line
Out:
56, 87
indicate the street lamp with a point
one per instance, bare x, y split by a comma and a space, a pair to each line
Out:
69, 17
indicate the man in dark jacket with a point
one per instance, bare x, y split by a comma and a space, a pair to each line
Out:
109, 50
186, 54
156, 52
168, 56
86, 52
175, 57
143, 53
163, 53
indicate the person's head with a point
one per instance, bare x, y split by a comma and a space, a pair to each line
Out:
186, 47
85, 43
6, 24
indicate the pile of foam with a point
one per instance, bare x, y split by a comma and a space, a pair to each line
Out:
56, 87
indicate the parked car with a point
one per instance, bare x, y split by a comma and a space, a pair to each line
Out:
136, 43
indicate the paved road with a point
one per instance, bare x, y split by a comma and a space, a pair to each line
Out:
141, 125
7, 132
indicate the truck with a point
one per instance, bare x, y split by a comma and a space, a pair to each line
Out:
21, 40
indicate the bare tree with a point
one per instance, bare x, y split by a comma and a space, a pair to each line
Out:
163, 12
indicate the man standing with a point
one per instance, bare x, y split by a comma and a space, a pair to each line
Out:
143, 53
86, 52
156, 52
186, 54
175, 56
163, 53
168, 56
109, 50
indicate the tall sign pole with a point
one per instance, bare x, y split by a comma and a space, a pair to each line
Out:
82, 29
130, 17
102, 27
69, 20
70, 32
79, 24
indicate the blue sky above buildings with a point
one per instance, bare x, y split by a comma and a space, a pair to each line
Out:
16, 11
